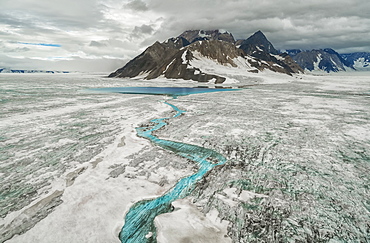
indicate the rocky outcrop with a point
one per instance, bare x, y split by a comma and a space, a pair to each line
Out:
198, 35
176, 43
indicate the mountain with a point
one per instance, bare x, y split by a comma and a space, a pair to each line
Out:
9, 70
260, 47
359, 60
326, 60
257, 43
206, 55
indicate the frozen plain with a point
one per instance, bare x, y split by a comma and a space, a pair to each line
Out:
297, 149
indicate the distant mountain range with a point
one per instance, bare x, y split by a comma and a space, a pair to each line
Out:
326, 60
8, 70
330, 61
200, 55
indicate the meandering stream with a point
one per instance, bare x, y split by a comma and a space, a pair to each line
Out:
139, 221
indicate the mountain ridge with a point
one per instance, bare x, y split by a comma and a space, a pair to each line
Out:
327, 60
179, 57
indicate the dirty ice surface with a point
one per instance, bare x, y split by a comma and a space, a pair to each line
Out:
71, 164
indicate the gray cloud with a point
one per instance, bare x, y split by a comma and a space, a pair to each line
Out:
288, 24
93, 30
137, 5
145, 29
97, 44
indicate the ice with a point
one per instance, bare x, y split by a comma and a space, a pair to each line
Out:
297, 148
188, 224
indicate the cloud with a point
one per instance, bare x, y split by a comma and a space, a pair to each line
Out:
308, 23
97, 44
145, 29
119, 30
137, 5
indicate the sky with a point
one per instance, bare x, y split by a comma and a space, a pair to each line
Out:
103, 35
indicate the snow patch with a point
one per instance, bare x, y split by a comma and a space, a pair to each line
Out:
232, 198
203, 34
258, 48
280, 58
168, 66
183, 57
316, 64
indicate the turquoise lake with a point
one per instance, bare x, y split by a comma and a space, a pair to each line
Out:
170, 91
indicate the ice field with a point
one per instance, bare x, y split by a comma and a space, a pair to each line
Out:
297, 150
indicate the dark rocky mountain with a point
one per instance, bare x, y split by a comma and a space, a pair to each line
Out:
198, 55
358, 60
260, 47
326, 60
257, 43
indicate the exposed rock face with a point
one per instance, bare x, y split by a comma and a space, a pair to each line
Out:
359, 60
291, 63
259, 47
326, 60
197, 35
188, 55
147, 61
224, 53
257, 43
176, 43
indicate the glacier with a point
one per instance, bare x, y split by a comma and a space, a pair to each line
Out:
297, 147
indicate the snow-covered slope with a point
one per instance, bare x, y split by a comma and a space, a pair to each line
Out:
359, 60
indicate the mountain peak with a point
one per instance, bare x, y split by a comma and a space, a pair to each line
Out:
198, 35
258, 42
259, 32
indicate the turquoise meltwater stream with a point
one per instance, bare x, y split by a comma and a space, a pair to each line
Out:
139, 221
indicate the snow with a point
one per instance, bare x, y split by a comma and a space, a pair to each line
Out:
361, 64
258, 48
280, 58
312, 133
316, 64
169, 65
222, 31
232, 198
188, 224
202, 34
183, 57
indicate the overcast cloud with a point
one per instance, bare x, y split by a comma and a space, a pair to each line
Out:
96, 35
